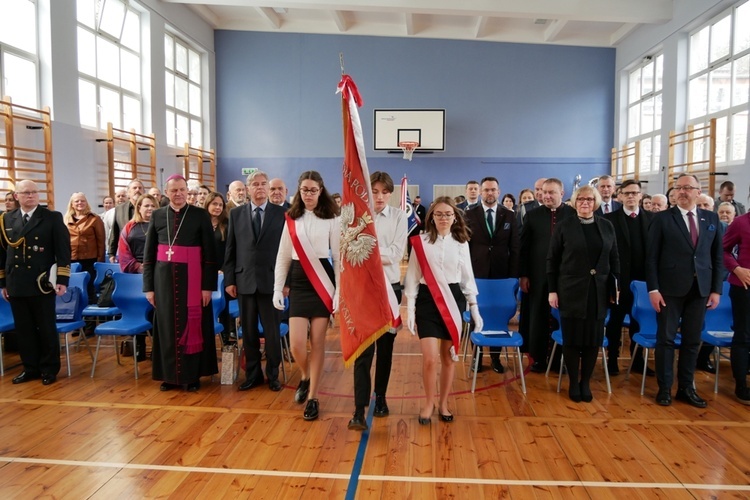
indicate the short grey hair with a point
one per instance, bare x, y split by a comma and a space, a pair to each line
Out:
253, 175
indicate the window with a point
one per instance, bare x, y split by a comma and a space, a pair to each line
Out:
109, 64
644, 112
719, 80
183, 93
18, 52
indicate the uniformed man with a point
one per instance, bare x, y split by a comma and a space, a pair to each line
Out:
32, 240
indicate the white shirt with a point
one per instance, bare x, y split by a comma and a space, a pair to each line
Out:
687, 222
262, 206
628, 212
391, 228
324, 237
447, 256
30, 214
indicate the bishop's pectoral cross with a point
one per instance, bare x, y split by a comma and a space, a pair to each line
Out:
169, 253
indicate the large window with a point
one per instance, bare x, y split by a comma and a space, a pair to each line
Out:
183, 93
644, 111
109, 64
18, 52
719, 81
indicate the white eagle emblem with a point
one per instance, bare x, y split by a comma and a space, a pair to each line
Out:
355, 247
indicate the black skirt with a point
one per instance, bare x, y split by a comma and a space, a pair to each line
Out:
430, 323
304, 301
584, 332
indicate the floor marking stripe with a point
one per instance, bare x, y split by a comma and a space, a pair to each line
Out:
351, 489
365, 477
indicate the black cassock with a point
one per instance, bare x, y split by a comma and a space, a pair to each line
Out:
176, 360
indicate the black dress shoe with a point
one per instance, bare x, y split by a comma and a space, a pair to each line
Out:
706, 366
250, 383
574, 392
663, 398
497, 366
274, 385
381, 407
48, 379
193, 387
166, 386
311, 410
690, 397
613, 368
358, 422
300, 396
538, 367
743, 395
24, 377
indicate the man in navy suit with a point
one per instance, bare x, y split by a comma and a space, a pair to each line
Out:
252, 244
684, 273
606, 188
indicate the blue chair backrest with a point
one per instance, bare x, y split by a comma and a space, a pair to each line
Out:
497, 302
101, 269
81, 280
720, 319
6, 314
217, 297
642, 310
76, 267
129, 297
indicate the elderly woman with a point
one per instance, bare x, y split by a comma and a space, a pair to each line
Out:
581, 264
87, 239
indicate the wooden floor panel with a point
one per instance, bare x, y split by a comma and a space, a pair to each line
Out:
116, 437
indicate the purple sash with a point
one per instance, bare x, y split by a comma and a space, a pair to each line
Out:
192, 338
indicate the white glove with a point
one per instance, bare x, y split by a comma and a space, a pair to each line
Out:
476, 318
336, 301
411, 322
278, 300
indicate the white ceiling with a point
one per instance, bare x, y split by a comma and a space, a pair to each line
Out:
594, 23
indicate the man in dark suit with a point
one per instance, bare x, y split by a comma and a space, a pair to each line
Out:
123, 214
33, 239
631, 228
472, 196
252, 244
523, 208
421, 213
684, 273
606, 187
494, 244
535, 239
279, 193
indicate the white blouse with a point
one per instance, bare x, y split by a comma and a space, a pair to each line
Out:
324, 237
446, 256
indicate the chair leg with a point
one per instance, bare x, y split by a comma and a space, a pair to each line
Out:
2, 366
82, 335
520, 367
632, 360
67, 353
96, 354
717, 359
465, 341
645, 367
117, 349
283, 369
562, 363
135, 358
551, 357
606, 372
475, 362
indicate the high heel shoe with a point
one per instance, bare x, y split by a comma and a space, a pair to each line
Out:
446, 418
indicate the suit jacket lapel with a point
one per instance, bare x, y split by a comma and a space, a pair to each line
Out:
33, 221
621, 217
677, 216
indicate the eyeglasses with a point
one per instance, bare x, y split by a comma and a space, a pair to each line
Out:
312, 191
685, 188
441, 215
630, 193
28, 193
585, 200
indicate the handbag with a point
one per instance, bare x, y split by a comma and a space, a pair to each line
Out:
106, 289
67, 304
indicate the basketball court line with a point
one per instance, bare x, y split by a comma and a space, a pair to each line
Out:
359, 459
365, 477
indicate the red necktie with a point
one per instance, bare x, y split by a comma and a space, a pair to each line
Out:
606, 208
633, 215
693, 228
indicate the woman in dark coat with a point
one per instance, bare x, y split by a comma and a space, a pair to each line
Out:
582, 266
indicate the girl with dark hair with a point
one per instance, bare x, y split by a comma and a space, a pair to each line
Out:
310, 236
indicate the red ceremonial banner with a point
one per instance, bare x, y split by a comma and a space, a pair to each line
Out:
364, 310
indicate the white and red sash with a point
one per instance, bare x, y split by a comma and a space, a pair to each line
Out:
310, 262
441, 294
395, 306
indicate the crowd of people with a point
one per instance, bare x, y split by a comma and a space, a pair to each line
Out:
574, 259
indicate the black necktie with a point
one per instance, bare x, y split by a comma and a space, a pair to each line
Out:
490, 222
25, 219
256, 221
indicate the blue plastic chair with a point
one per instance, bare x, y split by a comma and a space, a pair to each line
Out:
131, 301
718, 331
497, 305
78, 280
6, 325
557, 337
217, 304
76, 267
94, 311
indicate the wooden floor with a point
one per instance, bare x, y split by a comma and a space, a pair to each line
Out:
115, 437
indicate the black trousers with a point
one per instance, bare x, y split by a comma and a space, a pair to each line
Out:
691, 309
38, 342
741, 339
363, 364
253, 307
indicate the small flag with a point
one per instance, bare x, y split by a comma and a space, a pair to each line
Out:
412, 217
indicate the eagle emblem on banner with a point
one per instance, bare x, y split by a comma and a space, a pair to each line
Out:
355, 246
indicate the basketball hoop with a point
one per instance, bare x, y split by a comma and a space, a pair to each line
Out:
408, 147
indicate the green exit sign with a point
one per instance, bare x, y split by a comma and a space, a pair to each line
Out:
248, 171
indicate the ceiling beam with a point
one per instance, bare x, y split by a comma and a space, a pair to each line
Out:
270, 16
554, 29
481, 29
340, 19
621, 33
409, 20
206, 14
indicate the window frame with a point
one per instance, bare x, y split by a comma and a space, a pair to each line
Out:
172, 75
652, 138
20, 53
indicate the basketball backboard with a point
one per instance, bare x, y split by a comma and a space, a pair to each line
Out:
425, 126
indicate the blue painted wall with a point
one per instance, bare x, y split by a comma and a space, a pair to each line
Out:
514, 111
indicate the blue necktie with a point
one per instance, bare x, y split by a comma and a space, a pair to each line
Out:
256, 221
